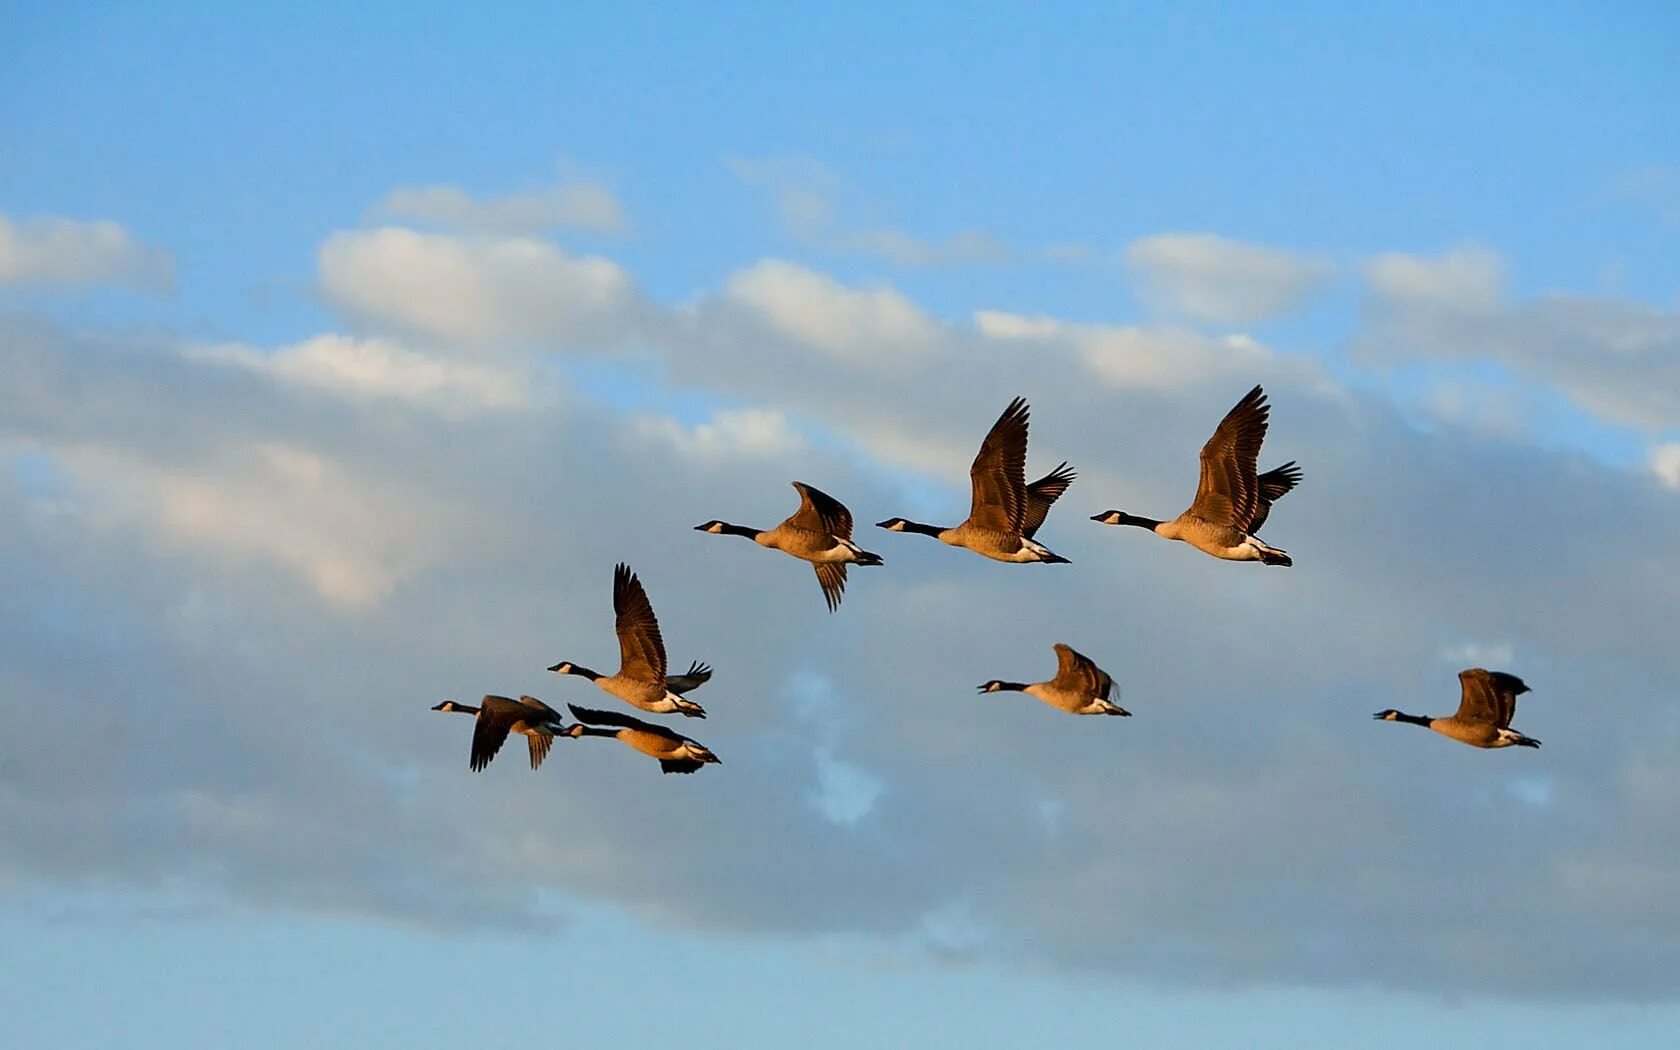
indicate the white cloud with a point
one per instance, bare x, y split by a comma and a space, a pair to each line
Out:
755, 432
1616, 359
382, 368
569, 204
811, 203
349, 537
477, 290
1130, 356
1497, 656
66, 251
1665, 463
871, 325
1203, 277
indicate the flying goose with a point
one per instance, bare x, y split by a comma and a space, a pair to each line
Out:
1079, 688
1005, 511
499, 715
1484, 711
640, 681
676, 753
1231, 501
819, 532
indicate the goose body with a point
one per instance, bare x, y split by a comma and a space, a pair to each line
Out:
676, 753
1487, 702
819, 532
1079, 688
498, 716
640, 680
1004, 511
1232, 500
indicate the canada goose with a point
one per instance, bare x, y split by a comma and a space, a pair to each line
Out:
1231, 502
676, 753
640, 681
1005, 511
1079, 688
819, 532
1484, 711
498, 715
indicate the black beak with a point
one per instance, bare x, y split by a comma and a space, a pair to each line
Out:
556, 667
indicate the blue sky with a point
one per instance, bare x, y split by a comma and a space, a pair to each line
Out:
403, 324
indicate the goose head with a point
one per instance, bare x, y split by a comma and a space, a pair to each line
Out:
893, 524
993, 686
714, 527
1389, 715
564, 667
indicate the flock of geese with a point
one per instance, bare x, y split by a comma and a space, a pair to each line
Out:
1232, 502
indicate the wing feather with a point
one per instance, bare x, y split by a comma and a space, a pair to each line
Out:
820, 512
1228, 490
831, 575
1041, 494
999, 473
641, 649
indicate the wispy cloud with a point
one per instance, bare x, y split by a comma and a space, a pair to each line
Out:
57, 251
570, 203
1204, 277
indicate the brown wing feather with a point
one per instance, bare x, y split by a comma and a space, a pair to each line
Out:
1077, 671
540, 743
1274, 485
641, 650
832, 577
1479, 701
1041, 494
1228, 489
496, 715
999, 473
820, 512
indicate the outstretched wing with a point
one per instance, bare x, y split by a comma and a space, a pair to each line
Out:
820, 512
1274, 485
679, 765
999, 473
1041, 494
1228, 489
831, 575
1507, 687
496, 714
641, 650
1480, 701
540, 743
697, 675
591, 716
1077, 671
540, 709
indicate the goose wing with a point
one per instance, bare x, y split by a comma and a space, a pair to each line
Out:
540, 710
999, 473
1041, 494
831, 576
641, 649
540, 743
697, 675
591, 716
1480, 700
820, 512
496, 715
1507, 687
1274, 485
1077, 671
1229, 488
679, 765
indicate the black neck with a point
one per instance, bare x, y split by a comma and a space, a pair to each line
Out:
583, 672
463, 708
739, 530
1417, 720
1142, 523
583, 730
1011, 687
925, 530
